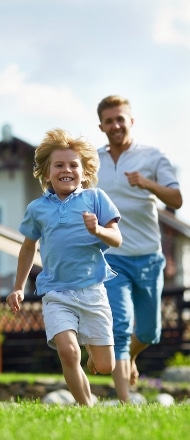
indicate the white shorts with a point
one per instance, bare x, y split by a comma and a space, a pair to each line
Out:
86, 311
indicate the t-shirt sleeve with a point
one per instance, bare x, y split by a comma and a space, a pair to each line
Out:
29, 226
165, 172
105, 209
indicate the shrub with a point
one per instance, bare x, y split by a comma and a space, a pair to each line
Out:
179, 359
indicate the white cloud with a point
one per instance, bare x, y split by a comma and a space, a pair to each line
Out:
39, 99
11, 80
173, 24
59, 59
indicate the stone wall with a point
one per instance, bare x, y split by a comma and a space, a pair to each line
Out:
22, 390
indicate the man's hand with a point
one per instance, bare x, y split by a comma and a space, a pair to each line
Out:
14, 299
137, 179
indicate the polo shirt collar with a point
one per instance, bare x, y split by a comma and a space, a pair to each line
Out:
50, 193
132, 147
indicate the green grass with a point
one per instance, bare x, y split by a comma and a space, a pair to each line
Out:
32, 420
32, 377
28, 420
28, 377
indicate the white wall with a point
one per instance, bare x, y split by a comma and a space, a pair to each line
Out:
12, 204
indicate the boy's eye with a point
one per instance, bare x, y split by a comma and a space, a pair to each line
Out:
72, 165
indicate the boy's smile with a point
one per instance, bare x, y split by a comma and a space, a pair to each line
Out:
65, 172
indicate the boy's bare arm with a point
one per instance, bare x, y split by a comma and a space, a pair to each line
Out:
109, 234
25, 262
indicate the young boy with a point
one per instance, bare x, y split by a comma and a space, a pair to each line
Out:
75, 224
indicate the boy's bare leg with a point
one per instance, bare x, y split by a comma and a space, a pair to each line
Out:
70, 356
91, 366
101, 359
90, 361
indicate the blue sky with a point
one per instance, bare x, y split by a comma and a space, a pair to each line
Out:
59, 58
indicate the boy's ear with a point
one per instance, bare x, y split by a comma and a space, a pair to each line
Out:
47, 179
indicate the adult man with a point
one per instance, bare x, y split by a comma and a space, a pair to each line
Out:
134, 176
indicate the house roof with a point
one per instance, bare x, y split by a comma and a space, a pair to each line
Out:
169, 218
15, 153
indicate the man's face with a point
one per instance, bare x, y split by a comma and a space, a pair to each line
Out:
116, 123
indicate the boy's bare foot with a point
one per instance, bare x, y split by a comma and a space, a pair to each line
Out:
134, 373
91, 366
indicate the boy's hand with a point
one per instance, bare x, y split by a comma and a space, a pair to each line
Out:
91, 222
14, 299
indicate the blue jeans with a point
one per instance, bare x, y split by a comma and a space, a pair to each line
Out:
135, 299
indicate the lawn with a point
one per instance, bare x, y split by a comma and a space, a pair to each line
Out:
30, 420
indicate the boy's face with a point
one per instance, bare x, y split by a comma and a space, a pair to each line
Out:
65, 172
116, 123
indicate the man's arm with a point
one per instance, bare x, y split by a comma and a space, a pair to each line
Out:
170, 196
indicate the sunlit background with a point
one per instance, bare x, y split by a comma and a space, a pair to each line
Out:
59, 58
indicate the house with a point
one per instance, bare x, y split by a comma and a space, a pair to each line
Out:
176, 248
17, 188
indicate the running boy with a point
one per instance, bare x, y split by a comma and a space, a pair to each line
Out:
75, 224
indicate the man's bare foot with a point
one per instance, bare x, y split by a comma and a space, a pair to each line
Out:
134, 373
91, 366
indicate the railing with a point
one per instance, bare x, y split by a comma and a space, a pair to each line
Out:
24, 348
175, 331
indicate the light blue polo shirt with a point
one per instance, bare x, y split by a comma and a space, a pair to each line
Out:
72, 258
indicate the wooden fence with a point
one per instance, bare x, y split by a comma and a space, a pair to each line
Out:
175, 335
23, 346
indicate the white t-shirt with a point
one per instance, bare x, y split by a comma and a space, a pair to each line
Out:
138, 208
